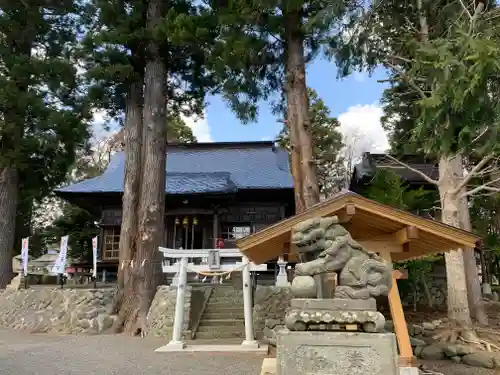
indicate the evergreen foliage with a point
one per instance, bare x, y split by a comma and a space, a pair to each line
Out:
44, 116
43, 110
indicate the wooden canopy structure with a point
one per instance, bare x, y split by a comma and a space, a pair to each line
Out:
394, 234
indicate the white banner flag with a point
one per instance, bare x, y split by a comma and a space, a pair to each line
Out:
60, 265
94, 256
24, 255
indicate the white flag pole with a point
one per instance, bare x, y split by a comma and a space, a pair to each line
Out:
60, 265
24, 255
94, 257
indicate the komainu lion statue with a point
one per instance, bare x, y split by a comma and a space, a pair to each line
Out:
362, 274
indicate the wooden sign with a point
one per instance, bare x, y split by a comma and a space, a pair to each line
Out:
213, 259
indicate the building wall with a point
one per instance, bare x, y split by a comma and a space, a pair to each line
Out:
231, 221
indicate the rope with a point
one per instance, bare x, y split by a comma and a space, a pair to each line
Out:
216, 273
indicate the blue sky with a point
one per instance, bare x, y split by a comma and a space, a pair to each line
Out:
354, 100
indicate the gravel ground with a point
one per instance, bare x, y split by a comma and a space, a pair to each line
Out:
450, 368
22, 353
25, 354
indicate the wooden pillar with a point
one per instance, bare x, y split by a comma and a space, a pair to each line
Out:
406, 358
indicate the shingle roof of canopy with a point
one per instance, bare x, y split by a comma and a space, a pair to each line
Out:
370, 221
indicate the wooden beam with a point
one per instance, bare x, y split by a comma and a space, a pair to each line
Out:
396, 242
406, 357
379, 245
406, 235
346, 213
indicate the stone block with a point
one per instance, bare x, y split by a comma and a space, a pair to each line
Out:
482, 359
335, 353
334, 304
333, 315
433, 352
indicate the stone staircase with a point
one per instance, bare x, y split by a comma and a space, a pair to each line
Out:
223, 315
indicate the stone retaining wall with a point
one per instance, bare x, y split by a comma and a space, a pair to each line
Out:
57, 310
162, 312
270, 304
86, 311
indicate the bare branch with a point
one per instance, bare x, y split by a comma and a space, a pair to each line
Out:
420, 173
407, 80
401, 58
466, 11
479, 9
424, 27
472, 173
484, 187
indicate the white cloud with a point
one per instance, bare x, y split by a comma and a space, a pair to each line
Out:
100, 124
363, 123
267, 138
200, 127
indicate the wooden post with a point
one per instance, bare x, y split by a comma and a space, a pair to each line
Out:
406, 358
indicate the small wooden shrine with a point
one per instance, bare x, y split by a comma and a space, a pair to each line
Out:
394, 234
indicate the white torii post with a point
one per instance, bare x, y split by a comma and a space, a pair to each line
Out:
176, 343
247, 305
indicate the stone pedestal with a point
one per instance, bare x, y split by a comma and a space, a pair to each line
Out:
335, 353
333, 315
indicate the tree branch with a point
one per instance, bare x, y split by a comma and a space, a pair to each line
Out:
408, 80
420, 173
484, 187
466, 11
472, 173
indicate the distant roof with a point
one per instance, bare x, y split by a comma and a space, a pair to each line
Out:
370, 162
198, 168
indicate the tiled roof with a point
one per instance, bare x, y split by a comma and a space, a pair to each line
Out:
370, 162
205, 168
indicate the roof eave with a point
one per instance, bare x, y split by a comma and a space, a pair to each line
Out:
454, 235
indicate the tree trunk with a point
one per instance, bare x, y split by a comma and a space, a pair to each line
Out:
474, 293
145, 266
132, 183
298, 107
450, 175
152, 199
295, 157
299, 122
24, 212
8, 204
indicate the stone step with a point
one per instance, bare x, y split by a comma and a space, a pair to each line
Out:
223, 315
221, 291
222, 322
223, 306
226, 296
225, 302
220, 334
222, 328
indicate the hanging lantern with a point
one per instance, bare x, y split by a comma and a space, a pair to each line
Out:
185, 221
177, 221
195, 221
